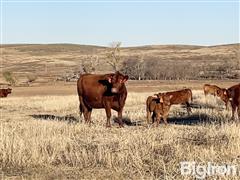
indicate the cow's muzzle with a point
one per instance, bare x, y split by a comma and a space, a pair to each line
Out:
114, 90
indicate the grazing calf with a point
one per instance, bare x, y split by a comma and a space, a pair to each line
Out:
210, 89
233, 94
106, 91
5, 92
179, 97
216, 91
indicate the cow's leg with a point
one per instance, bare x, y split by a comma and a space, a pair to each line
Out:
89, 115
85, 114
153, 118
148, 116
226, 104
108, 113
233, 110
83, 109
120, 122
238, 110
158, 119
205, 93
165, 119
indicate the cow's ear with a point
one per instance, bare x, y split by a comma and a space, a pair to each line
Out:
125, 78
109, 78
155, 95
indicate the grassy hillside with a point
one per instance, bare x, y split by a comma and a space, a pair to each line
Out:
50, 61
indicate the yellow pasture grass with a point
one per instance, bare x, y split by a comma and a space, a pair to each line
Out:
38, 142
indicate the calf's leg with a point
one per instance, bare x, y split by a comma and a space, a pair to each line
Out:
165, 119
188, 108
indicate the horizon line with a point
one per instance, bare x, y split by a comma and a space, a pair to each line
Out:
177, 44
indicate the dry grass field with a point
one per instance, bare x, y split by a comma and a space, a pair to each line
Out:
41, 138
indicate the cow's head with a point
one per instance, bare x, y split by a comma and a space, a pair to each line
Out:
223, 94
230, 94
117, 81
164, 98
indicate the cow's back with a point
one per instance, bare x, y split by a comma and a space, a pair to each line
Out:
210, 89
181, 96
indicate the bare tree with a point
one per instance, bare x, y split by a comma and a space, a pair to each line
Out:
140, 67
10, 78
114, 55
135, 68
89, 65
31, 78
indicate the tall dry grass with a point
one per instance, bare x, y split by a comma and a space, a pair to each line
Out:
42, 147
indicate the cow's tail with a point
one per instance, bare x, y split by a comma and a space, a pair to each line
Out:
79, 96
80, 110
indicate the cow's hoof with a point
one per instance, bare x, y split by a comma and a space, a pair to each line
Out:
108, 126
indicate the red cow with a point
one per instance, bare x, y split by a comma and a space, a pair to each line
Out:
106, 91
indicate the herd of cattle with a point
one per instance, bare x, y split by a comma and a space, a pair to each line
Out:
108, 91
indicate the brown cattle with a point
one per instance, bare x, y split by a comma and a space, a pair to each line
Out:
222, 93
216, 91
5, 92
158, 109
106, 91
210, 89
178, 97
150, 106
162, 109
234, 97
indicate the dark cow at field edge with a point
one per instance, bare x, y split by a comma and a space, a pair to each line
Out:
106, 91
5, 92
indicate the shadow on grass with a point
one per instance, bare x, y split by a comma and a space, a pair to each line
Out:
67, 118
193, 119
128, 121
201, 106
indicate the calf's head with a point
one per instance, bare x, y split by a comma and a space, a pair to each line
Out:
223, 94
164, 98
117, 81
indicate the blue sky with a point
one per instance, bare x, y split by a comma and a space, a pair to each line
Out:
132, 23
